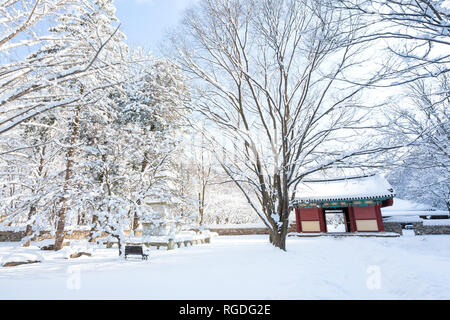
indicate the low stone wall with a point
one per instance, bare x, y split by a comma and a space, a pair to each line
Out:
420, 229
69, 235
16, 236
11, 236
245, 231
239, 231
393, 227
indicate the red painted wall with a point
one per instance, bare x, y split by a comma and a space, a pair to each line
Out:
387, 203
310, 214
365, 213
369, 213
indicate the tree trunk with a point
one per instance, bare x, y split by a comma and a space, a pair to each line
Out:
277, 237
29, 229
59, 237
135, 221
135, 216
277, 234
93, 228
119, 245
201, 207
32, 212
61, 217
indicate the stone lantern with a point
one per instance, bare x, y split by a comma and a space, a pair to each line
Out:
160, 222
160, 207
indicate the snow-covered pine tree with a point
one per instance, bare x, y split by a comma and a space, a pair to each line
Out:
87, 45
128, 149
152, 115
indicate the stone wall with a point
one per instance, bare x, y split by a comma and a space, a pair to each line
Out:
14, 236
245, 231
393, 227
239, 231
11, 236
420, 229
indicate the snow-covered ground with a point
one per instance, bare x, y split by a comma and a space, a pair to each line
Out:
242, 267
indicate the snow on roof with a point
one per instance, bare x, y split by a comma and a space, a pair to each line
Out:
418, 213
349, 188
405, 208
403, 219
408, 205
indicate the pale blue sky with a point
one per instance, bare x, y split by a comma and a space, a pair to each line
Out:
145, 21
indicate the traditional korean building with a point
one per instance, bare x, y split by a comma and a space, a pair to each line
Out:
350, 204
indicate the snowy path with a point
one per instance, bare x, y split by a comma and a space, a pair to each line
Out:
245, 267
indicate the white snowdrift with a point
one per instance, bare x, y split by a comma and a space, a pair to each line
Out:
20, 257
245, 267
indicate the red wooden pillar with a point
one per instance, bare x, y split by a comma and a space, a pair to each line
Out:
323, 227
297, 220
379, 218
351, 215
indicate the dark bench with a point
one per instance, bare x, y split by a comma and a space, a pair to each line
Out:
135, 250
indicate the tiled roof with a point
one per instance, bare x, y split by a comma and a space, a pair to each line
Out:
342, 189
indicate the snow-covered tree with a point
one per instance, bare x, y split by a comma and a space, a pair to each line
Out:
128, 151
82, 30
267, 78
416, 32
28, 171
416, 38
421, 170
200, 174
73, 47
87, 126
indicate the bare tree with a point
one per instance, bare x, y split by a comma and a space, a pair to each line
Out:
423, 118
203, 174
267, 78
18, 17
417, 33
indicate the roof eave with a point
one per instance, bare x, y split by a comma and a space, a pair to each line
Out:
347, 199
